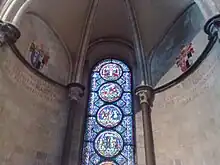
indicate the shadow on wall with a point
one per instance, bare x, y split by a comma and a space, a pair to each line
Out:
183, 32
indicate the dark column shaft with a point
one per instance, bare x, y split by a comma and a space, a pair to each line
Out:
76, 91
68, 135
148, 134
146, 98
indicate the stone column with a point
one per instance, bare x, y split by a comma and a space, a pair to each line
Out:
76, 92
146, 98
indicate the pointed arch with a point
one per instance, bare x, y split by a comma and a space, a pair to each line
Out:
109, 132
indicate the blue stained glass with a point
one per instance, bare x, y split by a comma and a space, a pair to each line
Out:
94, 103
109, 116
97, 81
99, 103
121, 160
110, 92
125, 82
98, 67
121, 81
124, 67
126, 129
95, 158
128, 134
92, 129
111, 72
108, 138
88, 151
127, 85
125, 103
108, 143
93, 107
128, 153
121, 103
93, 110
120, 129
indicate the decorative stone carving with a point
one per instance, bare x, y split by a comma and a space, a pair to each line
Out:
145, 94
76, 91
8, 33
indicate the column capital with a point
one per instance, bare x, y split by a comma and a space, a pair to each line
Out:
145, 94
76, 91
9, 33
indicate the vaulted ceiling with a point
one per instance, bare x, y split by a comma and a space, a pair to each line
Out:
68, 17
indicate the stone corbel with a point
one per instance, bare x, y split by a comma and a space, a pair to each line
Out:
145, 94
76, 91
8, 33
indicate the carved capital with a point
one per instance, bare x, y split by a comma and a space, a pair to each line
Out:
76, 91
8, 33
145, 94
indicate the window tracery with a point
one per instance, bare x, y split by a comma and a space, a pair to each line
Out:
109, 137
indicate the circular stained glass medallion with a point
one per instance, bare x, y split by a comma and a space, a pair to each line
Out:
111, 72
107, 163
109, 116
108, 143
110, 92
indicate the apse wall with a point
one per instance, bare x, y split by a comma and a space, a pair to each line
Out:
182, 31
35, 30
96, 53
33, 112
186, 118
217, 3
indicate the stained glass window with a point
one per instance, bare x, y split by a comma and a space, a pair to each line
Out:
109, 138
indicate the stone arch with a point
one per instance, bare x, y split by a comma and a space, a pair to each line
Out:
124, 114
99, 50
124, 45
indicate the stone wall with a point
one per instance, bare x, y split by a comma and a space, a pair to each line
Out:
33, 112
33, 115
186, 118
35, 30
140, 150
208, 7
182, 32
216, 3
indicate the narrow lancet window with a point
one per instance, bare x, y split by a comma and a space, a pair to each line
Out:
109, 134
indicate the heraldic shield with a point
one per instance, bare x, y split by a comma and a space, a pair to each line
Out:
39, 57
184, 60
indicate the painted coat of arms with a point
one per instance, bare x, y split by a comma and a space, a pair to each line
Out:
184, 60
39, 57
